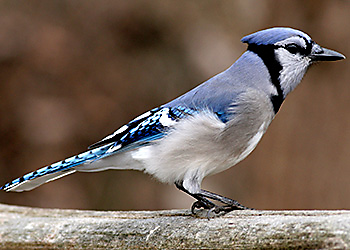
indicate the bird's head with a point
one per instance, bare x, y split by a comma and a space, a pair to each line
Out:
287, 53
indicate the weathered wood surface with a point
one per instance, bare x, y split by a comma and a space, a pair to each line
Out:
36, 228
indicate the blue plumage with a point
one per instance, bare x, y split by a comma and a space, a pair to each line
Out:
148, 127
59, 166
273, 35
222, 121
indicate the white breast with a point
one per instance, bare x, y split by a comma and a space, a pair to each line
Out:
253, 142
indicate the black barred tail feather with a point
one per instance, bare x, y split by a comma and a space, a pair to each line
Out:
55, 171
206, 130
142, 130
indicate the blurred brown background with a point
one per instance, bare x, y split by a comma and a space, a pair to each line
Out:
72, 72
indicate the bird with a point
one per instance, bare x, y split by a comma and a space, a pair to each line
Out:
207, 130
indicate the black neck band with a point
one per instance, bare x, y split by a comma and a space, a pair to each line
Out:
267, 54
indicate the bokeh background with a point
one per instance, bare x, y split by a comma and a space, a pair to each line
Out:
72, 72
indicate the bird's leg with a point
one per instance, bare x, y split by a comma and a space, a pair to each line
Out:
202, 201
230, 204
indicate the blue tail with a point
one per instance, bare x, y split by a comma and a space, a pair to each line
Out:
54, 171
143, 129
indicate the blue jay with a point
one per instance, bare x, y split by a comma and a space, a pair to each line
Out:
206, 130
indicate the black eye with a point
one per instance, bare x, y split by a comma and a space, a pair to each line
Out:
292, 48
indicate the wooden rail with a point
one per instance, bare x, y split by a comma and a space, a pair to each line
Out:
37, 228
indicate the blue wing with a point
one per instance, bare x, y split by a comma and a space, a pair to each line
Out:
145, 128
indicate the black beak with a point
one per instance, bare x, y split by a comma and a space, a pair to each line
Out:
323, 54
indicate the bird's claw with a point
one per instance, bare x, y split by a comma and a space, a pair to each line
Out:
217, 210
199, 204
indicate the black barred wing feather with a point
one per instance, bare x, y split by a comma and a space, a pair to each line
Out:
150, 126
147, 127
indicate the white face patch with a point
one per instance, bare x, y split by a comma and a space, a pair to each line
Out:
294, 66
